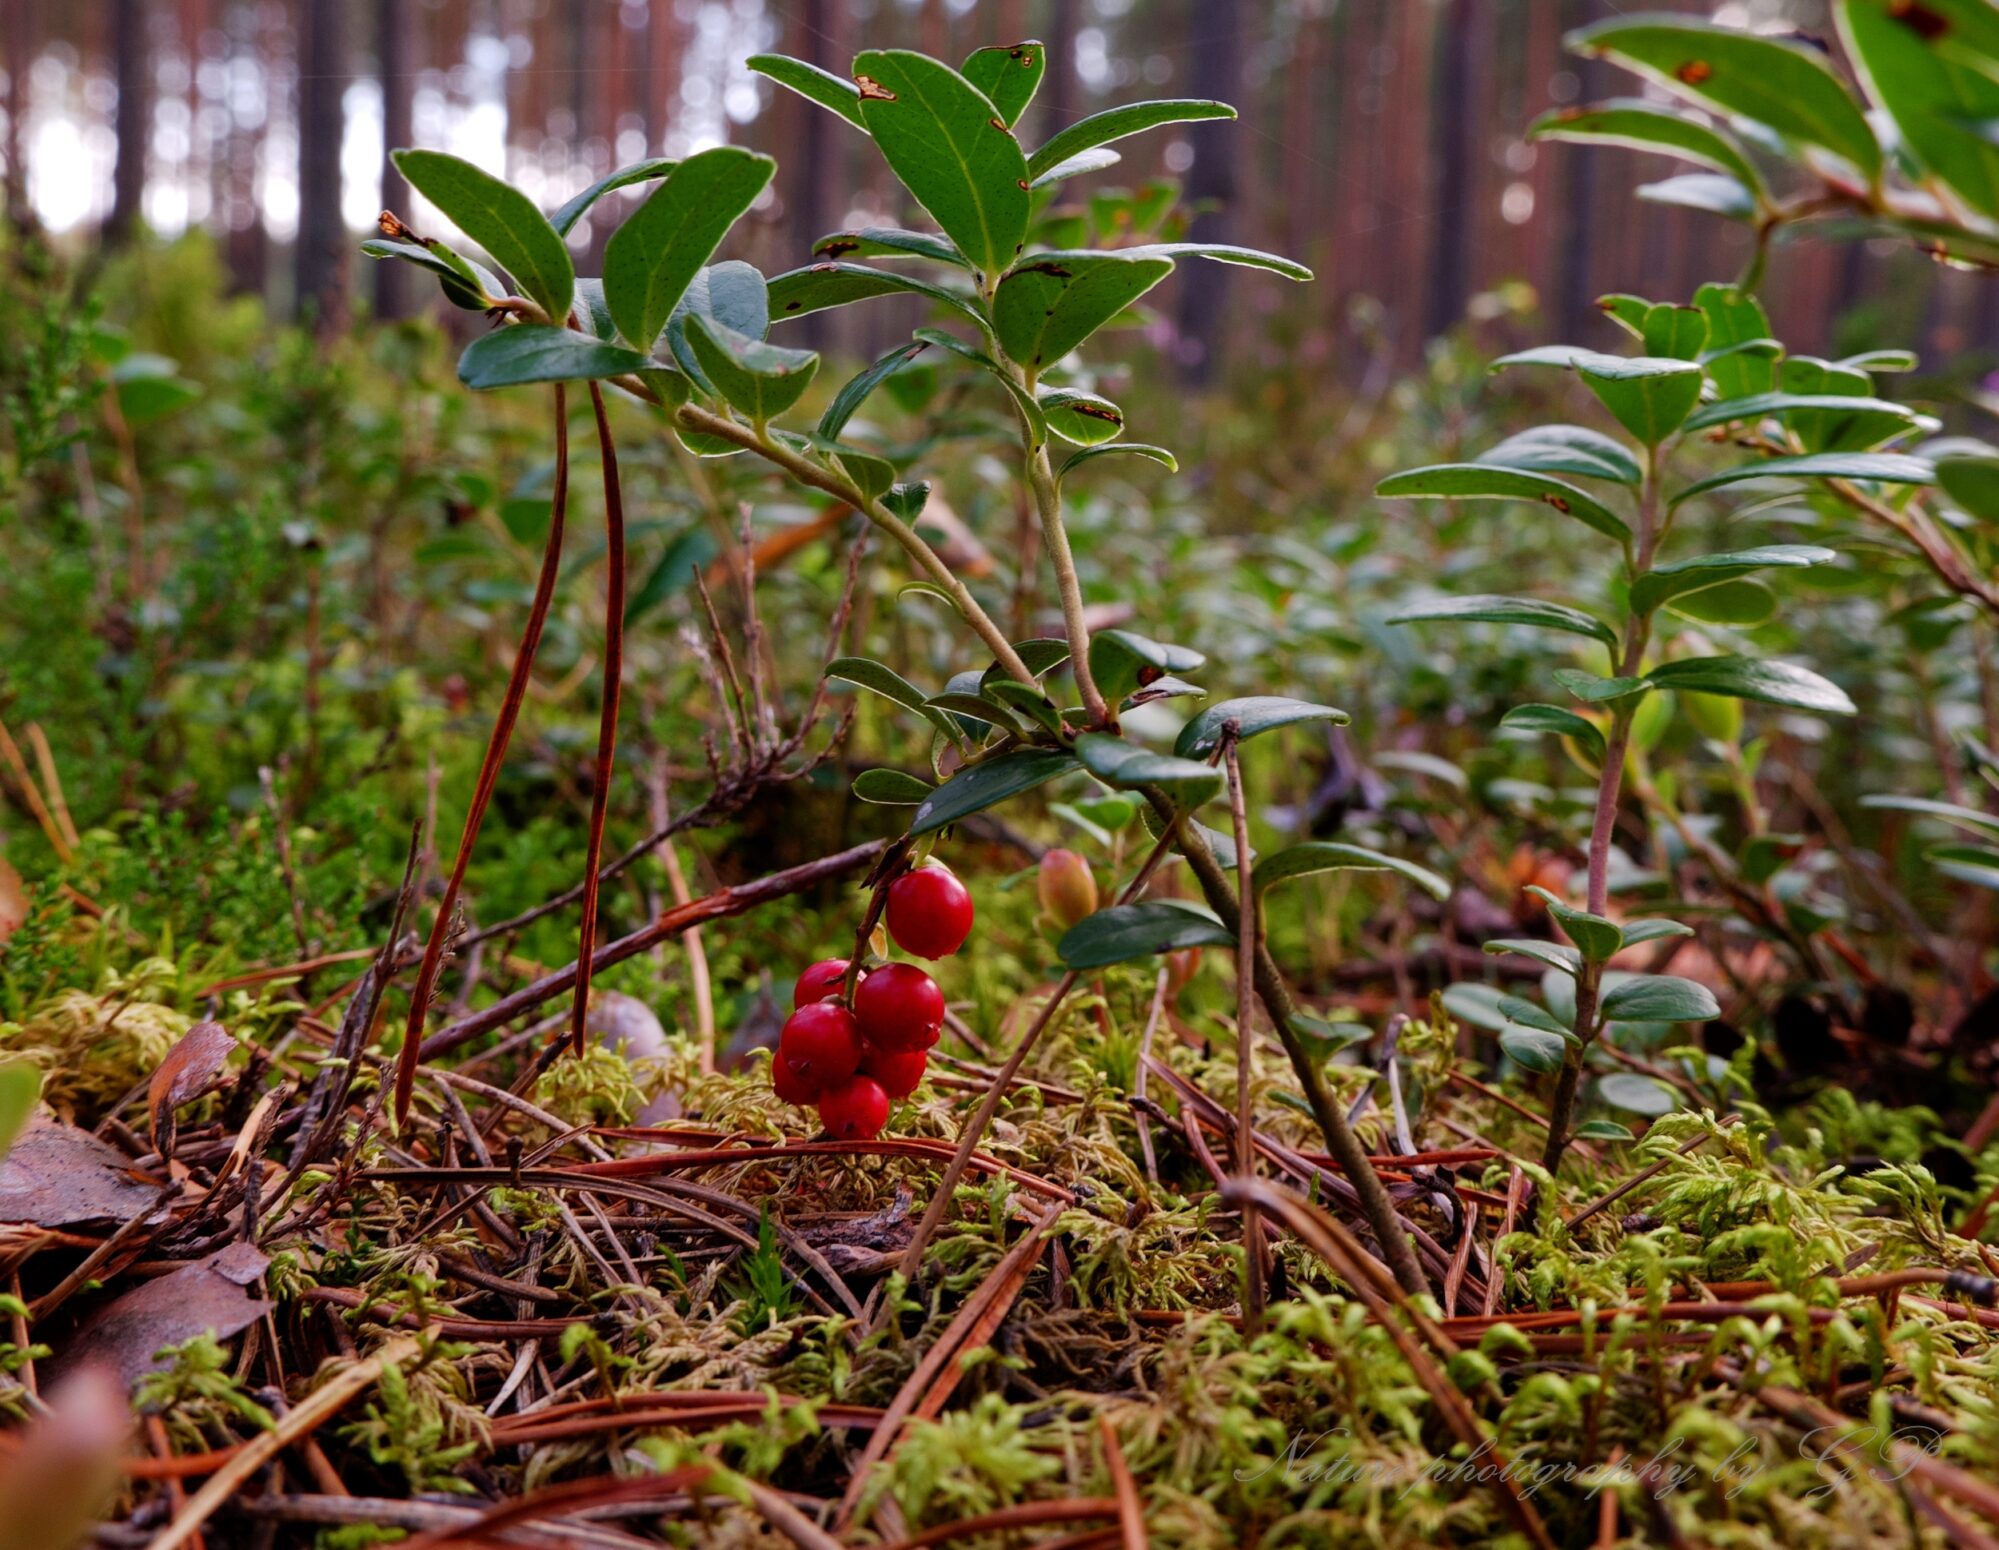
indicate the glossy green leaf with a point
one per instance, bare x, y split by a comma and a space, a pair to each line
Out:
732, 294
502, 220
1602, 1130
1554, 954
1675, 332
1083, 161
797, 292
1530, 611
1784, 85
1086, 419
1740, 355
1049, 304
1251, 717
1595, 689
1636, 1093
1128, 766
1482, 481
1740, 604
832, 92
1009, 75
984, 785
1659, 998
573, 210
1566, 449
1950, 812
1711, 192
855, 393
889, 242
541, 352
1312, 856
1839, 420
1968, 471
1127, 931
1666, 582
1648, 126
1649, 394
1558, 720
1123, 660
1534, 1049
1638, 932
1222, 253
1933, 69
1596, 937
1115, 123
1866, 467
891, 788
947, 143
760, 380
1751, 678
654, 256
1157, 455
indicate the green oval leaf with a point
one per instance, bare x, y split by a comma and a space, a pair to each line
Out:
889, 242
1116, 123
1157, 455
1486, 609
564, 220
1750, 678
798, 292
983, 785
1481, 481
1122, 661
1118, 763
1009, 75
1636, 1094
1049, 304
1222, 253
1311, 856
1936, 82
1084, 418
1127, 931
891, 788
1559, 720
952, 150
541, 352
1566, 449
502, 220
654, 256
1667, 582
1647, 126
1659, 998
1533, 1049
1781, 84
761, 380
1865, 467
830, 91
1252, 716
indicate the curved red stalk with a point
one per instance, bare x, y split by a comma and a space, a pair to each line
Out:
489, 770
607, 724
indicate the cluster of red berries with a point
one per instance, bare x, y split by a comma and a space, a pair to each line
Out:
851, 1060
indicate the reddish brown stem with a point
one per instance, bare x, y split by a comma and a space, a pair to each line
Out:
489, 770
607, 723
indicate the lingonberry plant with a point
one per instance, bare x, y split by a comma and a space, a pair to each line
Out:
1707, 371
1020, 297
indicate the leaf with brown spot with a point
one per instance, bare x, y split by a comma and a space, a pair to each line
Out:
210, 1296
189, 1067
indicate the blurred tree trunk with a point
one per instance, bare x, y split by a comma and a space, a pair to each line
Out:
1216, 72
247, 244
17, 33
1453, 145
130, 63
319, 262
1058, 84
394, 296
1575, 231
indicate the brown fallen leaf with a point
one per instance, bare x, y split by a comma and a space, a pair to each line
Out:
189, 1067
13, 899
58, 1175
212, 1296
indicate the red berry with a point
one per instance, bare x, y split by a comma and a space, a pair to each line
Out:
899, 1007
791, 1084
898, 1070
929, 912
821, 1043
823, 979
855, 1110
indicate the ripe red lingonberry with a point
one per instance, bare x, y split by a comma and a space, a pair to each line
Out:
821, 1043
856, 1110
929, 911
823, 979
791, 1084
899, 1007
898, 1070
